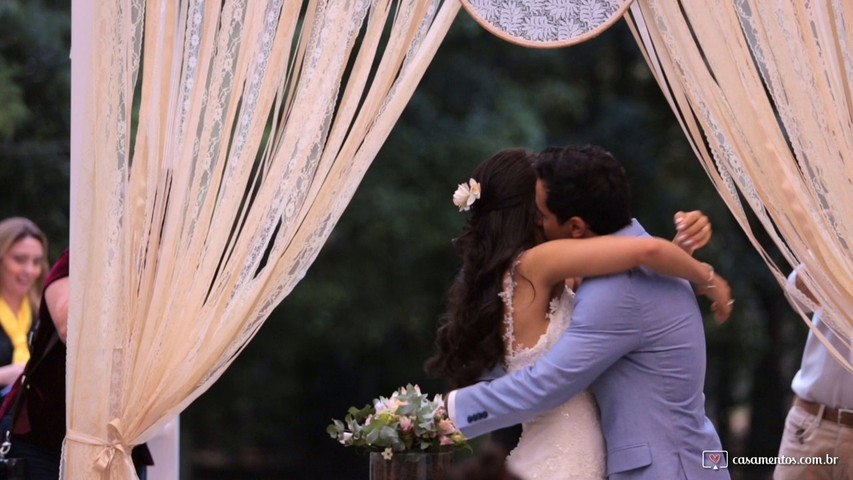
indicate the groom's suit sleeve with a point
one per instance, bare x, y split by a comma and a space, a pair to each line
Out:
605, 326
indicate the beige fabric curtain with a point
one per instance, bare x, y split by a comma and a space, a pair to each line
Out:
764, 91
256, 121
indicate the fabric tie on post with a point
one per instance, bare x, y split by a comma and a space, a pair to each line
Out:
115, 441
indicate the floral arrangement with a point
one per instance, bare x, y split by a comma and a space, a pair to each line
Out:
407, 421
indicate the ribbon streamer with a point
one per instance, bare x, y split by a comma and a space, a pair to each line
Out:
108, 450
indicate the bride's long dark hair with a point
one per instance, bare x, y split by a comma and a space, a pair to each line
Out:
501, 224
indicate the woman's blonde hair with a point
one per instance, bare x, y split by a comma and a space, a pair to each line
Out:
14, 229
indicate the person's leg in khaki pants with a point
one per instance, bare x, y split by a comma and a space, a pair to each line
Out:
808, 437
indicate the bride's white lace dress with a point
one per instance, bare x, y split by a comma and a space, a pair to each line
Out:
566, 442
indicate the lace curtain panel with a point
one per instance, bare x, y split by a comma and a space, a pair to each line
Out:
190, 222
763, 92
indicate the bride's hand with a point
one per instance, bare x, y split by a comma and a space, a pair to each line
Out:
720, 294
694, 230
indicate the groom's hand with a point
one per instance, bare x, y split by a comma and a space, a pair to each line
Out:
694, 230
720, 294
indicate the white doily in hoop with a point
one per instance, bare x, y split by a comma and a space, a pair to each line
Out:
546, 23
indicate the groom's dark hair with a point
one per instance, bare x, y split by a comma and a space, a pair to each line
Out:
586, 181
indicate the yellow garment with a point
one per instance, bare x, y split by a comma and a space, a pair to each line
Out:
17, 327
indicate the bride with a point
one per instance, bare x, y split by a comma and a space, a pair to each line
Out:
510, 302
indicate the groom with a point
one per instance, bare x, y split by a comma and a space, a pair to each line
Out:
636, 340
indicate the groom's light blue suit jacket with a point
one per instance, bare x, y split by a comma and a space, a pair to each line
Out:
637, 341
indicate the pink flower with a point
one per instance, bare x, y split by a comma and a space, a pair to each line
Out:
406, 424
446, 427
443, 440
386, 405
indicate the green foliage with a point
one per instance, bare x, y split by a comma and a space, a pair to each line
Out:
34, 117
363, 319
14, 110
35, 69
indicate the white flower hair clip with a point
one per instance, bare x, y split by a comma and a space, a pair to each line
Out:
466, 194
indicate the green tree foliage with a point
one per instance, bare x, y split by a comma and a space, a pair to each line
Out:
35, 68
34, 114
14, 110
362, 321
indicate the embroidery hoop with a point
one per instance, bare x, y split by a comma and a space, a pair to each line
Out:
566, 41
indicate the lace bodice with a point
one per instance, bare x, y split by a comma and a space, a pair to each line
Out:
559, 317
566, 442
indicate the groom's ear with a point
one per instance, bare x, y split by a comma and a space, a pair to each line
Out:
576, 227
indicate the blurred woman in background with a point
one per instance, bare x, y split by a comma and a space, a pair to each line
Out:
23, 268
